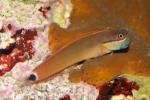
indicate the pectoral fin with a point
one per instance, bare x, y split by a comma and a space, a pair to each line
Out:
102, 51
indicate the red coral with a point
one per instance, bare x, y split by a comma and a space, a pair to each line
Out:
66, 97
119, 85
18, 52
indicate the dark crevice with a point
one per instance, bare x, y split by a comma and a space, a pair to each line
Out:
8, 50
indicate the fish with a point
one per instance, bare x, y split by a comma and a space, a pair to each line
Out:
97, 43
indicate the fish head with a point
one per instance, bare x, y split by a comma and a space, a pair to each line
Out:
117, 40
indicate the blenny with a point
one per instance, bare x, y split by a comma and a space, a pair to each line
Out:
97, 43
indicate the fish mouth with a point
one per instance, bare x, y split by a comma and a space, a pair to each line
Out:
118, 45
124, 44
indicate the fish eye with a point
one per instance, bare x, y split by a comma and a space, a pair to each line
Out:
121, 36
